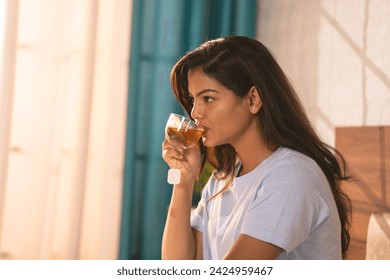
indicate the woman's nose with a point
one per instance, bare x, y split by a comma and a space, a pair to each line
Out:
195, 112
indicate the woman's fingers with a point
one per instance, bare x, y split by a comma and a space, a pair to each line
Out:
187, 160
168, 145
170, 152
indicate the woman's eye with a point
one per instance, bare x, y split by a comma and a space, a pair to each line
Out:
208, 99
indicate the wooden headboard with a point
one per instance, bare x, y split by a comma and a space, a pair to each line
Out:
367, 151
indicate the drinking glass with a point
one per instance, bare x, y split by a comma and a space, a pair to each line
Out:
181, 131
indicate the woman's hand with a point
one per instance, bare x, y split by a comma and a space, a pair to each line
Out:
185, 159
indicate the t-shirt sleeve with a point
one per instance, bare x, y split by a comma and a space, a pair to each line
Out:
287, 208
198, 214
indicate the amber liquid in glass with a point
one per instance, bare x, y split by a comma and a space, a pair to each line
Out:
188, 137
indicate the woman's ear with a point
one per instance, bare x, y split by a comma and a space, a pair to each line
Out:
255, 101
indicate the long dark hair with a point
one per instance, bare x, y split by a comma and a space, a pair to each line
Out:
238, 63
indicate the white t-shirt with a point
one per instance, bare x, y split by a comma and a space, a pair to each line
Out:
286, 201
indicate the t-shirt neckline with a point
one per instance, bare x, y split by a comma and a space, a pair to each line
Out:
249, 175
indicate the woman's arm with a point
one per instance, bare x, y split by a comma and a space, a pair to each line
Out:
179, 241
199, 244
250, 248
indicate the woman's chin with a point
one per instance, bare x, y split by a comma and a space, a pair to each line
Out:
208, 143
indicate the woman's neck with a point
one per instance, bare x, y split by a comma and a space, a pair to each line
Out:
250, 162
252, 150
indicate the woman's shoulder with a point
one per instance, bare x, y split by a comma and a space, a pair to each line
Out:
292, 159
212, 186
291, 166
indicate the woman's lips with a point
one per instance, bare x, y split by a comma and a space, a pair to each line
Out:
205, 129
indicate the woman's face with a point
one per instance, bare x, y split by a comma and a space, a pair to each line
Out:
224, 116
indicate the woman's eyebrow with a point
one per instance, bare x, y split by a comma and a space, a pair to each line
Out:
206, 90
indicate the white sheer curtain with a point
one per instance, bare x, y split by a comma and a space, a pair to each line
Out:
62, 128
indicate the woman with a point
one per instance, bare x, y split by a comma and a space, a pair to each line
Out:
275, 191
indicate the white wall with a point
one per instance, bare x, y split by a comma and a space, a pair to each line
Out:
337, 55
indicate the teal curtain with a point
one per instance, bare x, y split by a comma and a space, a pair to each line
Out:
162, 31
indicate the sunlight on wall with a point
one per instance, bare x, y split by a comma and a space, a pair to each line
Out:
336, 54
354, 64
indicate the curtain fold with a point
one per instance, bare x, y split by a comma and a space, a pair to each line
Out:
162, 31
63, 97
